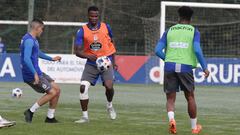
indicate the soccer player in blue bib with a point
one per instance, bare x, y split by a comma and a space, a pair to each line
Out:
34, 77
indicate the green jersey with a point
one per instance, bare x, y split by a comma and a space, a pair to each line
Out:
180, 45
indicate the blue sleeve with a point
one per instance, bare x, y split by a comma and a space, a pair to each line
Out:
44, 56
109, 31
198, 50
28, 45
162, 43
79, 37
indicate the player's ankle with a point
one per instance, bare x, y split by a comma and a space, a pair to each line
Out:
109, 105
85, 114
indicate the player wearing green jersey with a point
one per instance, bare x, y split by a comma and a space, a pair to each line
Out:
182, 51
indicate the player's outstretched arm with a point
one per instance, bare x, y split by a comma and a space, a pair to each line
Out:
42, 55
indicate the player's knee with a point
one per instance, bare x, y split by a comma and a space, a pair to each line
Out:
56, 88
84, 90
52, 92
108, 86
190, 98
58, 91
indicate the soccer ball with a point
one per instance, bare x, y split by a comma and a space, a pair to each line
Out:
17, 93
103, 63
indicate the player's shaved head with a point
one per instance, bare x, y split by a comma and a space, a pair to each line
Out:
185, 13
35, 23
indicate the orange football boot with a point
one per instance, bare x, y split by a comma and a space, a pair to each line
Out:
172, 127
197, 130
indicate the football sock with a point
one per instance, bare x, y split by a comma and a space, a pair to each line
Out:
170, 115
109, 105
50, 113
34, 107
85, 114
193, 123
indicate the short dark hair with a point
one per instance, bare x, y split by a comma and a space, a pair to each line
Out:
37, 20
185, 13
93, 8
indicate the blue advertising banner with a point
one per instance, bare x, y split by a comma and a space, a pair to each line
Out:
223, 71
10, 68
139, 69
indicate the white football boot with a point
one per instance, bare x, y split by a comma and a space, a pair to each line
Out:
112, 113
6, 123
82, 120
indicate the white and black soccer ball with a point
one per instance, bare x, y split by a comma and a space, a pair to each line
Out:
103, 63
17, 93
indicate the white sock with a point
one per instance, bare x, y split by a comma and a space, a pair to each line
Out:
50, 113
85, 114
193, 123
170, 115
34, 107
109, 105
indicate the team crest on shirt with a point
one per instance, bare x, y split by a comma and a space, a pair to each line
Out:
95, 45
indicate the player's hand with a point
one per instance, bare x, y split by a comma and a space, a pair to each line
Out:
36, 79
57, 58
206, 73
91, 57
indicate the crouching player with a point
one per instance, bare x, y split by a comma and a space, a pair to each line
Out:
33, 76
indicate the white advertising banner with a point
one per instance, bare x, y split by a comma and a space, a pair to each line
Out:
68, 70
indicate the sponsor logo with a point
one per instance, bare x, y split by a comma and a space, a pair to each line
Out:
178, 45
220, 74
95, 46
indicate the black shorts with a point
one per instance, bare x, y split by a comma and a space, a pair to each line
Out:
173, 81
44, 84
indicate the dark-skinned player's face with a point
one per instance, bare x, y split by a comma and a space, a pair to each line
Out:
93, 17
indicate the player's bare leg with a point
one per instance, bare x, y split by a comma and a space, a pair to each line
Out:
84, 99
52, 105
109, 94
43, 100
54, 101
171, 97
192, 111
